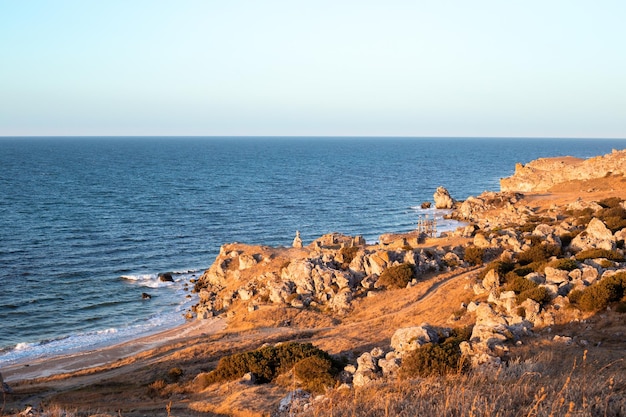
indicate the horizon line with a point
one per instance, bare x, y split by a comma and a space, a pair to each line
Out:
312, 136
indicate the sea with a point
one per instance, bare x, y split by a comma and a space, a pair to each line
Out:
87, 224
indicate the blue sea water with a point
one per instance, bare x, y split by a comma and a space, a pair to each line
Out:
87, 224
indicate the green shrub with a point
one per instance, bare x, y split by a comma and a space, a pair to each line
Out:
614, 217
437, 359
522, 271
538, 253
265, 363
574, 296
501, 267
397, 276
599, 253
315, 373
564, 264
599, 295
610, 202
474, 255
518, 284
538, 294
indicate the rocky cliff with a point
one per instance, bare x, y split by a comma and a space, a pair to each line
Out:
544, 173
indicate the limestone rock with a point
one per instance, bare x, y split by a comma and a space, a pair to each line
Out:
556, 276
245, 294
247, 261
410, 338
389, 365
491, 280
580, 205
566, 340
536, 277
595, 236
442, 198
367, 370
294, 402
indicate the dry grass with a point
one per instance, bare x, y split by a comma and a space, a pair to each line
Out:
537, 386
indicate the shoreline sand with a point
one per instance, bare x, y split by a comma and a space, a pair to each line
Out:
70, 363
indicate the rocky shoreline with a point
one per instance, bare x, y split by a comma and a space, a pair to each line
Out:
335, 269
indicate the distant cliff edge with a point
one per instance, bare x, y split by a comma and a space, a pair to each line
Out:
544, 173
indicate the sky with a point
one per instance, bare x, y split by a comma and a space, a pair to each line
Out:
549, 68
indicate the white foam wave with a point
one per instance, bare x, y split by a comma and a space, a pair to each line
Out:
87, 341
167, 316
147, 280
24, 346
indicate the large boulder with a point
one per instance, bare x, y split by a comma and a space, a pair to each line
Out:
491, 280
410, 338
595, 236
443, 200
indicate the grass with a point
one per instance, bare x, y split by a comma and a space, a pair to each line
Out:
526, 387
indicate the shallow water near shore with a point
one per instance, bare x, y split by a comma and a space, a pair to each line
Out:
87, 224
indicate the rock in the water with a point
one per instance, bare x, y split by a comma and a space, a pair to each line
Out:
426, 204
146, 296
443, 200
166, 277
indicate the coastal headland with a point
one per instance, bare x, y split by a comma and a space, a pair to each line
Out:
518, 312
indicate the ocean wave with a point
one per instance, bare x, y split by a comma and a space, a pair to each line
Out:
81, 342
148, 280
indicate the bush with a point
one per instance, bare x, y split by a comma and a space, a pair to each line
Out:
474, 255
538, 253
538, 294
564, 264
397, 276
522, 271
265, 363
599, 253
599, 295
518, 284
315, 373
501, 267
610, 202
437, 359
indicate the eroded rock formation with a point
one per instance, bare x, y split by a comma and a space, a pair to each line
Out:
544, 173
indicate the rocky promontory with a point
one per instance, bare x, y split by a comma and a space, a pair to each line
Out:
545, 173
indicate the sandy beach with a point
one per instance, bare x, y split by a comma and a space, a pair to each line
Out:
62, 364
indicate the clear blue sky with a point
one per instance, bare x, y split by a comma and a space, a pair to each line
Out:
554, 68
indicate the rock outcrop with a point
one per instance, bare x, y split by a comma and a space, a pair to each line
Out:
544, 173
330, 272
443, 200
595, 236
